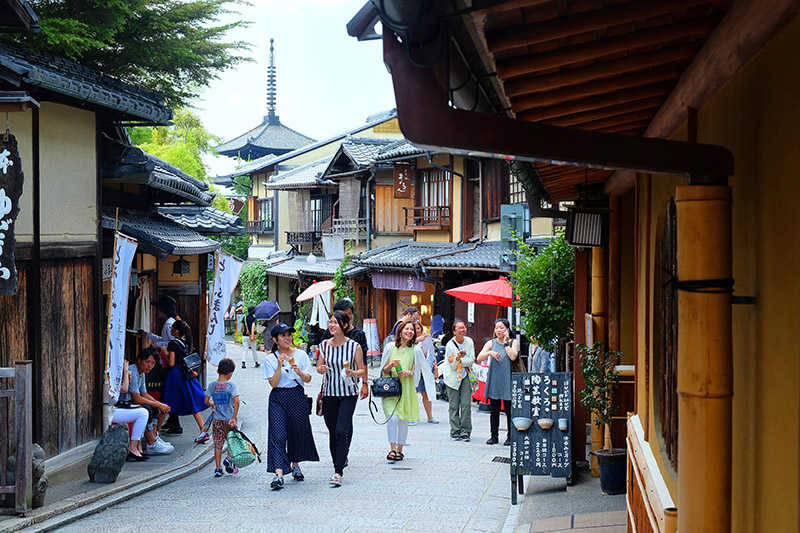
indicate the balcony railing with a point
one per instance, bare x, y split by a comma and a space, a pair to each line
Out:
353, 229
258, 226
427, 217
303, 238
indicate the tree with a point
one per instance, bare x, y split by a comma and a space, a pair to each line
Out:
545, 284
173, 47
253, 281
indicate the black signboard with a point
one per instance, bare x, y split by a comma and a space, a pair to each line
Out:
542, 451
10, 191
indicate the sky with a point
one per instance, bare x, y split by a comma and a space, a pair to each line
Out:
327, 81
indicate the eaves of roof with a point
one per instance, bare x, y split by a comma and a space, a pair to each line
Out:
298, 266
484, 255
403, 255
204, 220
268, 135
302, 177
66, 77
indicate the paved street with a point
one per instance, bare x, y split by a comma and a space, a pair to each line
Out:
441, 485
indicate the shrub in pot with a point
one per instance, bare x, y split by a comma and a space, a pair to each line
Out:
598, 370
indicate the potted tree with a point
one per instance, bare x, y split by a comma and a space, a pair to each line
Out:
599, 373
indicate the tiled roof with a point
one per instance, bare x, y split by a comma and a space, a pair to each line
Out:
156, 231
302, 177
363, 150
299, 266
205, 220
66, 77
402, 255
20, 17
477, 255
129, 164
269, 137
400, 148
270, 160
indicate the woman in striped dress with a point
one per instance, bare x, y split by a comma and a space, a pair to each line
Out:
337, 358
289, 439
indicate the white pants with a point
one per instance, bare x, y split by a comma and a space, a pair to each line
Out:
138, 416
247, 344
397, 430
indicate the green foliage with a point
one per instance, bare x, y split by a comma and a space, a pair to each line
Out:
253, 281
236, 245
299, 336
545, 285
173, 47
344, 287
597, 368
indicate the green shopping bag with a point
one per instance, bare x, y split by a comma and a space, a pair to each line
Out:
241, 449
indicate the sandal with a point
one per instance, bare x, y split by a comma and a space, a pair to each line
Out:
400, 456
336, 480
393, 456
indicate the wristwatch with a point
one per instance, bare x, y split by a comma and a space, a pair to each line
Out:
507, 344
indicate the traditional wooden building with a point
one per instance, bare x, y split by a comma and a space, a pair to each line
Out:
608, 105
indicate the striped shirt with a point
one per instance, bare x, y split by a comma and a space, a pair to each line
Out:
336, 383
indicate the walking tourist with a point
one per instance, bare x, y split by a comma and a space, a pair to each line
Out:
184, 396
249, 337
223, 396
426, 345
404, 360
353, 332
501, 350
289, 437
337, 357
459, 356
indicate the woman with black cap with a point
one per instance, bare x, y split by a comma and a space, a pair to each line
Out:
249, 339
289, 437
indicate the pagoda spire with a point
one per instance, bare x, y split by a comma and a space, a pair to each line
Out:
271, 117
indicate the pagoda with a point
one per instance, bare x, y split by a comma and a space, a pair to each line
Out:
269, 137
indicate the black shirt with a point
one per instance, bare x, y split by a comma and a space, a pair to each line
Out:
249, 320
357, 334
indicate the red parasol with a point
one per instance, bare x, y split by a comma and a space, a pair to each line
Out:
316, 289
494, 292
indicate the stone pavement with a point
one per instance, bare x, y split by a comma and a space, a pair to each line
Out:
441, 485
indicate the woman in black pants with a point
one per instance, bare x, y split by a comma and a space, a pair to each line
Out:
342, 361
501, 351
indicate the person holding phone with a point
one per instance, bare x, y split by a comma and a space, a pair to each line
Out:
459, 357
501, 351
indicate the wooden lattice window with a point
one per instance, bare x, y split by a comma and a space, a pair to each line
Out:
668, 363
267, 213
516, 192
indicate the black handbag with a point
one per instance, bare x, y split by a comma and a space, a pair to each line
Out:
191, 366
386, 387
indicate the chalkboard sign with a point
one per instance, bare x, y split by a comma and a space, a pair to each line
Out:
538, 451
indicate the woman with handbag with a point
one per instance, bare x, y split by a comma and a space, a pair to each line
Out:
501, 351
182, 391
459, 356
406, 362
289, 437
250, 337
337, 357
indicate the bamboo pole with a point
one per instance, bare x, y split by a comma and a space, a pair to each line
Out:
599, 298
705, 370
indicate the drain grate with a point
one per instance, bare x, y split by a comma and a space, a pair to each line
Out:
499, 459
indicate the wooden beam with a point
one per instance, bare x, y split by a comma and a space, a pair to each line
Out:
597, 71
494, 8
568, 55
575, 119
531, 101
598, 102
626, 127
616, 120
597, 19
743, 33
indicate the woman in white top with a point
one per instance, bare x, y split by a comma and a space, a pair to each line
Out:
337, 358
425, 344
289, 438
459, 357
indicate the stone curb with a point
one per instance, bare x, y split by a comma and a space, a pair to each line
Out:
54, 516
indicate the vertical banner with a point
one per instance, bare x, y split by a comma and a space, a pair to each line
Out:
226, 276
124, 250
373, 340
10, 191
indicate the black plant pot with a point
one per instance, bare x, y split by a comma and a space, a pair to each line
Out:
613, 470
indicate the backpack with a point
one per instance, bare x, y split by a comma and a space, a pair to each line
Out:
241, 449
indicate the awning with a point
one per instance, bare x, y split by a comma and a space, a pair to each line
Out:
158, 235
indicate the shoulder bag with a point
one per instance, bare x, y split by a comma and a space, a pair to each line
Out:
191, 366
253, 336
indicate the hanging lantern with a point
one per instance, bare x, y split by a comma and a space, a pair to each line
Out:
181, 266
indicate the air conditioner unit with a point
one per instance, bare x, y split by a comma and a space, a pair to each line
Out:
586, 226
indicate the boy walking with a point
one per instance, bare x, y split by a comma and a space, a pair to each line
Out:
223, 396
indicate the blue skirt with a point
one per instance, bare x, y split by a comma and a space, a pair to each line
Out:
289, 437
183, 397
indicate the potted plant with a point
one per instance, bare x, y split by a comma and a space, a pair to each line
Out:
598, 370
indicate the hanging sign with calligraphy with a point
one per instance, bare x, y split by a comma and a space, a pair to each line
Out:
402, 181
226, 277
10, 191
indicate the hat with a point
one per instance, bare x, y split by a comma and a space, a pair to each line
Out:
279, 328
251, 310
166, 304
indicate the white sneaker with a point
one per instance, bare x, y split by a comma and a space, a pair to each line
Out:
162, 441
160, 448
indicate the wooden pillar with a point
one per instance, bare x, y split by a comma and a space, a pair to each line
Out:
614, 268
599, 304
581, 308
705, 367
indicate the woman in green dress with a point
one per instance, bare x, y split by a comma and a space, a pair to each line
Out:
406, 361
